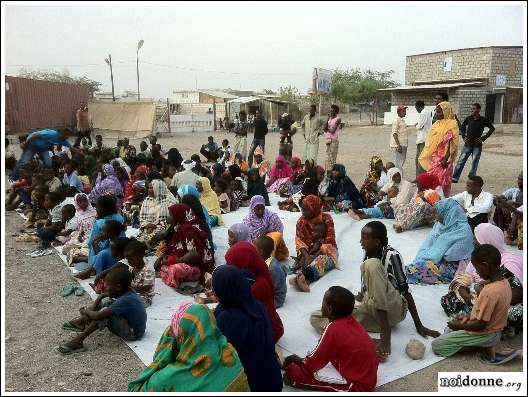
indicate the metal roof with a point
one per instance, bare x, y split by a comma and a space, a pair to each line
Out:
432, 86
245, 99
218, 94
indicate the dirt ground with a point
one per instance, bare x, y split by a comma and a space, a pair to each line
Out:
35, 310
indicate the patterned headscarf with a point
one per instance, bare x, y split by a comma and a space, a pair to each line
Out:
269, 222
241, 231
284, 172
372, 172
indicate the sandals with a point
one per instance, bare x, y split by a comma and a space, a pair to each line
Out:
66, 350
68, 326
40, 252
72, 288
500, 358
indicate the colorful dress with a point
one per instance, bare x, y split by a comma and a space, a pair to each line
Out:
279, 177
270, 221
192, 356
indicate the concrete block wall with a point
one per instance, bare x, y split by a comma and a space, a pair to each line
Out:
467, 63
410, 98
507, 61
463, 98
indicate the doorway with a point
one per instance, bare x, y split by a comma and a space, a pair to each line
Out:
490, 107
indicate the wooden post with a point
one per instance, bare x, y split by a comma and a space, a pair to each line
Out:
214, 114
168, 115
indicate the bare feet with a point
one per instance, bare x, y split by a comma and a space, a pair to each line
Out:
397, 228
84, 274
302, 284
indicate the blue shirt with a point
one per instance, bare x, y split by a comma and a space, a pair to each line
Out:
45, 140
103, 260
278, 276
73, 180
131, 307
97, 229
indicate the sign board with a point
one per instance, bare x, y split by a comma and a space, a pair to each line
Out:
500, 80
448, 64
321, 80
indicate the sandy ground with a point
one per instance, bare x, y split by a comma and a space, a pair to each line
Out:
35, 310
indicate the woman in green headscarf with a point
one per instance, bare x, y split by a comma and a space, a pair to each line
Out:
193, 356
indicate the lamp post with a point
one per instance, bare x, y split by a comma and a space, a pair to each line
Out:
109, 63
140, 44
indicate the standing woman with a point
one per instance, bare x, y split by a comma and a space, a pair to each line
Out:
331, 130
441, 147
260, 220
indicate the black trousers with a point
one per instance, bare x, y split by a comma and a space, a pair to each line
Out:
210, 156
477, 220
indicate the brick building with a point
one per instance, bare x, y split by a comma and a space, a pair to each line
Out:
491, 76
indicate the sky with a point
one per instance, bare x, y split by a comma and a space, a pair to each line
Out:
248, 46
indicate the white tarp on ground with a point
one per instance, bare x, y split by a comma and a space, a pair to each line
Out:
299, 337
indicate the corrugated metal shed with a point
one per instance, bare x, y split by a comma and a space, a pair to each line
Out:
33, 104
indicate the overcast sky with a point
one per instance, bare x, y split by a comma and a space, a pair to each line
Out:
243, 45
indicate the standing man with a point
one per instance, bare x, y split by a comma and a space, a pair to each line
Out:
260, 127
41, 143
331, 130
422, 127
471, 131
399, 139
83, 126
312, 129
241, 130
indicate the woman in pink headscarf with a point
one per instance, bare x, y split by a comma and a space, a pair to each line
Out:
461, 290
280, 174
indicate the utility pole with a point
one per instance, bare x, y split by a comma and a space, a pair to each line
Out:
140, 44
109, 63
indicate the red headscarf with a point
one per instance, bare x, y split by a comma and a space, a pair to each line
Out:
245, 256
129, 190
304, 230
285, 172
427, 181
296, 166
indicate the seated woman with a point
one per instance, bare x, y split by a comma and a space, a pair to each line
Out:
192, 356
463, 289
419, 211
280, 175
245, 256
256, 186
237, 232
298, 176
154, 211
260, 220
263, 166
449, 244
136, 189
315, 243
397, 191
81, 224
246, 325
342, 194
107, 184
241, 163
187, 254
314, 177
209, 199
375, 180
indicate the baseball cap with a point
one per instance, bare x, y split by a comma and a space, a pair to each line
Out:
401, 107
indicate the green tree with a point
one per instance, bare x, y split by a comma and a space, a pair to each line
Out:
59, 77
289, 94
356, 86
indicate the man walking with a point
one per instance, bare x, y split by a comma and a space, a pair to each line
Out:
312, 129
399, 139
260, 127
241, 129
471, 131
422, 127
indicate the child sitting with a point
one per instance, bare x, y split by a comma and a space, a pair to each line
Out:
124, 314
48, 232
131, 214
68, 224
105, 258
223, 198
38, 213
265, 247
345, 345
239, 194
51, 180
483, 327
304, 271
143, 276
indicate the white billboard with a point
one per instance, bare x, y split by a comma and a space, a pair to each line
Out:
321, 80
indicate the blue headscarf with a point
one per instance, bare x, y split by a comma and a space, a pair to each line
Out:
245, 323
188, 189
450, 239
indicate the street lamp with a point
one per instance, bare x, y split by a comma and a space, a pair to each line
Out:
140, 44
109, 63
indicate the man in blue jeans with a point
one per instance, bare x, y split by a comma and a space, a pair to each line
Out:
472, 129
40, 143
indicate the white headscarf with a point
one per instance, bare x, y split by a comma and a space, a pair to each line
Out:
406, 189
188, 165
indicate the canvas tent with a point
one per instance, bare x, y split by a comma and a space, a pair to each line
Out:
123, 119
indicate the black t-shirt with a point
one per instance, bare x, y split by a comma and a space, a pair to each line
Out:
472, 129
261, 128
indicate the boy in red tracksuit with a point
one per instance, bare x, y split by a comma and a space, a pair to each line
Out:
344, 343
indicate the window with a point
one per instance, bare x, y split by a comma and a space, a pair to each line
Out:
448, 63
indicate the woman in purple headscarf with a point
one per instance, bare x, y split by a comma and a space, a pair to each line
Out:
107, 184
260, 220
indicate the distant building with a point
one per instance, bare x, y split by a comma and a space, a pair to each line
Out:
126, 96
491, 76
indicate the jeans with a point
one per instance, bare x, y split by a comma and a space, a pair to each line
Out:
26, 157
475, 151
46, 234
256, 142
